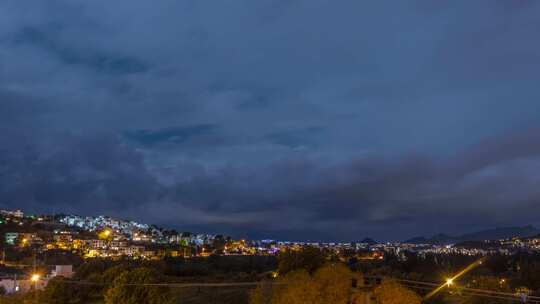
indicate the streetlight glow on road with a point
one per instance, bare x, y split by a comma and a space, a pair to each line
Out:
450, 281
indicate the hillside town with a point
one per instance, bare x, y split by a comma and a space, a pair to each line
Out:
39, 248
104, 236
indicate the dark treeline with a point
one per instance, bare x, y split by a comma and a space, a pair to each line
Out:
504, 273
107, 277
103, 280
178, 268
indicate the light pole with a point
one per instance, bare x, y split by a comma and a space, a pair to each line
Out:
35, 279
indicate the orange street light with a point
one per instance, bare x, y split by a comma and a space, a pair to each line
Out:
450, 281
35, 277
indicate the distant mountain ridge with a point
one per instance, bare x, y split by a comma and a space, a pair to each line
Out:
489, 234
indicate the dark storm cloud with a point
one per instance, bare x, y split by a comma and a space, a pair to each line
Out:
305, 118
45, 40
361, 196
296, 138
90, 174
174, 135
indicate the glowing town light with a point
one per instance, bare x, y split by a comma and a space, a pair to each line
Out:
451, 280
35, 277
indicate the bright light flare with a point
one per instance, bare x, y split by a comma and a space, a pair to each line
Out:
450, 281
35, 277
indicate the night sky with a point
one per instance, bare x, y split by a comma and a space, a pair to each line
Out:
284, 119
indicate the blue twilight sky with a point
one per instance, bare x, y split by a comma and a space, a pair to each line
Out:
290, 119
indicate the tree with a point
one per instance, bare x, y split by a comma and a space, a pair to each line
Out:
391, 292
330, 284
307, 258
297, 287
60, 291
27, 298
127, 288
489, 283
57, 292
92, 266
334, 283
218, 244
112, 273
262, 294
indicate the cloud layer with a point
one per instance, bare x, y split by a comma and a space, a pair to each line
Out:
287, 119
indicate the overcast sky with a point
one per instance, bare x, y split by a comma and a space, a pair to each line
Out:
287, 119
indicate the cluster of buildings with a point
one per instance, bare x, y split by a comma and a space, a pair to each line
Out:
12, 213
95, 223
104, 236
375, 250
530, 243
123, 230
475, 248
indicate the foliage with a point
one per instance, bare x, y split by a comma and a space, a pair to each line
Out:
307, 258
108, 277
391, 292
298, 287
219, 243
21, 298
262, 294
489, 283
329, 284
63, 257
92, 266
57, 292
122, 292
334, 283
60, 291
